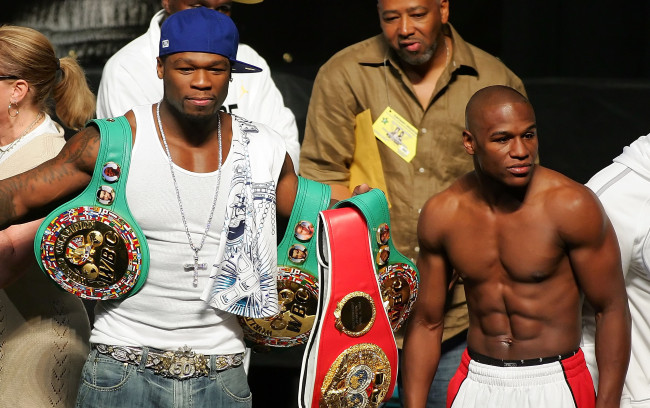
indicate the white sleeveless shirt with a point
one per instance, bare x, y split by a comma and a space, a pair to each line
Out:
167, 313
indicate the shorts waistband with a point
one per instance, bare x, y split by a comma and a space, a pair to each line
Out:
518, 363
181, 364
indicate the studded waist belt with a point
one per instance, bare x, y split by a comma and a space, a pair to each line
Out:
181, 364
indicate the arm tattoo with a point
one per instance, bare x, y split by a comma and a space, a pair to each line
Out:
51, 181
82, 149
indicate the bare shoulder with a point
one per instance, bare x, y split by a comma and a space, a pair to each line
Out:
440, 211
83, 147
575, 208
449, 200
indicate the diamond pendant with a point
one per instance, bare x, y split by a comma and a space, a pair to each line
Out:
195, 266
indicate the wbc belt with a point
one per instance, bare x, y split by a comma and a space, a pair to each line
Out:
297, 274
351, 357
91, 246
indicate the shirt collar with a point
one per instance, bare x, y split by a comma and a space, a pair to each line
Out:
462, 55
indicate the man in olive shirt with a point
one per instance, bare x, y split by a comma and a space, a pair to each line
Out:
425, 73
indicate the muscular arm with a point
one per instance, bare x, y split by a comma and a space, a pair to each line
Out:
26, 196
421, 351
595, 259
287, 189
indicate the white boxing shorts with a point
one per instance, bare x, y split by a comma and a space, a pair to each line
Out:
558, 382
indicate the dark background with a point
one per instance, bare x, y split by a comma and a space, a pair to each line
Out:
585, 64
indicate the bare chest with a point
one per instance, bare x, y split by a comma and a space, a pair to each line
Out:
519, 248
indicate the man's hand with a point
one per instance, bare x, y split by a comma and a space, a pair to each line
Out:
360, 189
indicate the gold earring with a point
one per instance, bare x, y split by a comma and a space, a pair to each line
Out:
15, 109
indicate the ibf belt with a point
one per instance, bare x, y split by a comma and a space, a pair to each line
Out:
351, 356
91, 246
297, 274
397, 275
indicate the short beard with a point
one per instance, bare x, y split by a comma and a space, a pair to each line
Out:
416, 60
198, 120
419, 59
192, 119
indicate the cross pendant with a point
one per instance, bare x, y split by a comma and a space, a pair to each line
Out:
196, 266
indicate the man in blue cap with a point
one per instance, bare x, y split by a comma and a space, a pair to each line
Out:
129, 78
177, 341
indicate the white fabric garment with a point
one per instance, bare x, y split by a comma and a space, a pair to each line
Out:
48, 126
167, 313
129, 79
245, 268
538, 386
624, 189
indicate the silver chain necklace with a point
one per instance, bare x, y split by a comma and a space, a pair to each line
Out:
196, 265
5, 150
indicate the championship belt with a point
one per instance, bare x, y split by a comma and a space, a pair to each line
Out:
351, 356
297, 274
398, 277
91, 246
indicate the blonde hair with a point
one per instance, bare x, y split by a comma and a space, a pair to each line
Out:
29, 55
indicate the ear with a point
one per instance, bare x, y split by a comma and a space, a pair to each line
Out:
160, 67
444, 11
468, 142
165, 5
19, 90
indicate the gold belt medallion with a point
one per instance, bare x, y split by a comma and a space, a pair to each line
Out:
355, 314
92, 252
298, 297
399, 289
359, 378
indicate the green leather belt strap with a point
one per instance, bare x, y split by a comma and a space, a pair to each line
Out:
374, 207
91, 246
397, 274
115, 146
311, 198
297, 273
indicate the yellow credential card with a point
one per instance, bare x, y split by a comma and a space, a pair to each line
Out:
396, 133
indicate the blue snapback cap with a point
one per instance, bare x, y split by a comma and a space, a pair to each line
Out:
202, 29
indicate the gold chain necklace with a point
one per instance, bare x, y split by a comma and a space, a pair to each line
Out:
5, 149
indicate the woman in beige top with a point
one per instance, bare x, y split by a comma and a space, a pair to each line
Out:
43, 330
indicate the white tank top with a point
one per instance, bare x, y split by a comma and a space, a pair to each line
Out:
167, 313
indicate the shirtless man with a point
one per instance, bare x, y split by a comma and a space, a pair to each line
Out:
527, 242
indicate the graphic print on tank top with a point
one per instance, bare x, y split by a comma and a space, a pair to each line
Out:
245, 282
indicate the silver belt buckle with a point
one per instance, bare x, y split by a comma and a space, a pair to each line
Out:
224, 362
181, 364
